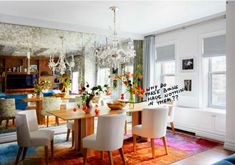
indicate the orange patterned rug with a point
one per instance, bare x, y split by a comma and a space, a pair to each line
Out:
180, 146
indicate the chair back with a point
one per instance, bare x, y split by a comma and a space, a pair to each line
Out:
26, 121
78, 100
110, 132
50, 104
154, 122
7, 107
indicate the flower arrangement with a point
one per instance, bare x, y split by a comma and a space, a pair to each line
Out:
39, 87
88, 94
132, 82
66, 82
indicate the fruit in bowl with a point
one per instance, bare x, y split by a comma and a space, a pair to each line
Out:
116, 105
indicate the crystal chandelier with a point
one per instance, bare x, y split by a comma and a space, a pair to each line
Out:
115, 53
62, 64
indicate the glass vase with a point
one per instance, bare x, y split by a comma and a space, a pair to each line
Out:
89, 106
131, 100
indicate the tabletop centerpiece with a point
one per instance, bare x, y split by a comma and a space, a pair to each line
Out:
88, 94
66, 83
40, 86
132, 83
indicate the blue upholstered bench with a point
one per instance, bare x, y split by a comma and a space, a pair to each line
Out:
230, 160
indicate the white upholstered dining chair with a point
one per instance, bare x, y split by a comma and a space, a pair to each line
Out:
154, 124
50, 104
28, 134
109, 136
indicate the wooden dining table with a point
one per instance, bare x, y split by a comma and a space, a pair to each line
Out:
84, 123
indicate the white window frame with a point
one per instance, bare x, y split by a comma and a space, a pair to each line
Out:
210, 75
162, 75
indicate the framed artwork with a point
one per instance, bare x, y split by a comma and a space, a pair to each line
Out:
188, 85
188, 64
33, 68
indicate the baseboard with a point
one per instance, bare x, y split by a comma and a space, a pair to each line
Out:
211, 135
200, 132
229, 145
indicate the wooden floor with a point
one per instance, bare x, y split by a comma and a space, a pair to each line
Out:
205, 158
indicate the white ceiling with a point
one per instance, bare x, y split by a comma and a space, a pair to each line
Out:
138, 17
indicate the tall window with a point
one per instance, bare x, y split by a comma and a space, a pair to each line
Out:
168, 73
214, 50
75, 82
217, 81
103, 76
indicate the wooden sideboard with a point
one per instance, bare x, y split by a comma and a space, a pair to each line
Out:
18, 65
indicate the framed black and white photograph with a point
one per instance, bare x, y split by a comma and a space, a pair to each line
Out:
188, 85
188, 64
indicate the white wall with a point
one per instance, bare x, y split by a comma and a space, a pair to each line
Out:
188, 43
230, 104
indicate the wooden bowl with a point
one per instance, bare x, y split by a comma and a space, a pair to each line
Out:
115, 106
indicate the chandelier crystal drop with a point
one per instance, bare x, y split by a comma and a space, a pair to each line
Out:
117, 52
62, 65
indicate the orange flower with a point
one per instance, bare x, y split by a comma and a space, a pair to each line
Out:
140, 76
134, 92
128, 74
140, 95
133, 74
142, 91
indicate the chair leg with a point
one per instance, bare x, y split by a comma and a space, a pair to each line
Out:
102, 155
46, 154
153, 147
68, 132
18, 155
24, 152
125, 127
172, 127
0, 121
72, 138
52, 148
110, 157
165, 144
47, 121
134, 143
84, 156
122, 155
57, 121
7, 121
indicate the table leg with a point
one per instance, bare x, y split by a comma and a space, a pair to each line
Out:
136, 120
41, 119
83, 128
77, 137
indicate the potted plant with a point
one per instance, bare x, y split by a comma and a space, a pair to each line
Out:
40, 86
88, 94
132, 83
